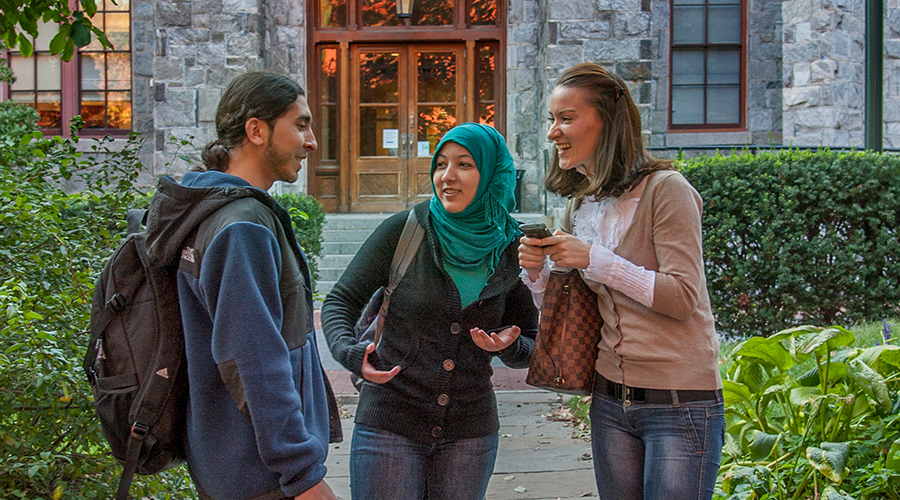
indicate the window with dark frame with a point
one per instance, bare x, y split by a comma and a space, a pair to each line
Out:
95, 84
707, 71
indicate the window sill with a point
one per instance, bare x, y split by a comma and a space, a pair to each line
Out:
689, 139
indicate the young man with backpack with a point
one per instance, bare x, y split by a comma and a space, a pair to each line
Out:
260, 412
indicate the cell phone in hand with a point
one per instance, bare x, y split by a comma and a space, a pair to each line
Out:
535, 230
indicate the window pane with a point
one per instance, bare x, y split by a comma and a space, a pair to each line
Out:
117, 30
482, 12
688, 24
486, 114
373, 121
23, 69
432, 13
117, 5
437, 77
434, 122
49, 72
333, 13
485, 68
48, 106
93, 72
378, 77
723, 67
687, 105
380, 13
119, 110
93, 108
329, 136
328, 82
118, 71
46, 32
725, 24
99, 20
723, 104
687, 68
688, 2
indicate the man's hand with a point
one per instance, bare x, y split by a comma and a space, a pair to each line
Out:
320, 491
377, 376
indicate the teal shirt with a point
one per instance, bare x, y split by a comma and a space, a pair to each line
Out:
469, 282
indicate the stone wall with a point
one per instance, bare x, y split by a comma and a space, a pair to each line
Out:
824, 72
186, 52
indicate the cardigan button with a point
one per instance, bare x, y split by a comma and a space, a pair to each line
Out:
437, 432
449, 365
455, 328
443, 399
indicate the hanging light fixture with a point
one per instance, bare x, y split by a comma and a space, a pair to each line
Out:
404, 8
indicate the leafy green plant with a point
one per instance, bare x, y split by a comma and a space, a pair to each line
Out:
807, 412
307, 217
798, 237
53, 245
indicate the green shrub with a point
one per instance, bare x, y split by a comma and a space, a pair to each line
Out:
809, 414
52, 246
800, 237
16, 120
308, 217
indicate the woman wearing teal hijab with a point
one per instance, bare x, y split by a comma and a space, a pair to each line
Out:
426, 423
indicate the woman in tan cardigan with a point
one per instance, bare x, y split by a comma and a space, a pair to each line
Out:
632, 227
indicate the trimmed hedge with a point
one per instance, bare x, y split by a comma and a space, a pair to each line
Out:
799, 237
308, 229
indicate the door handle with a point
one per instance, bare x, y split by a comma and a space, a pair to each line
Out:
401, 151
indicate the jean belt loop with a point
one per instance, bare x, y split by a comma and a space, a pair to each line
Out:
675, 401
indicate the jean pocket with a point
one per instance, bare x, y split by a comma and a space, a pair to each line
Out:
697, 426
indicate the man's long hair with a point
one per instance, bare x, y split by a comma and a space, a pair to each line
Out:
260, 94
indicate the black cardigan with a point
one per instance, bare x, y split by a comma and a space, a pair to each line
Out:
444, 387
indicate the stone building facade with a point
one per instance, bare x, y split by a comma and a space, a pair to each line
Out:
804, 70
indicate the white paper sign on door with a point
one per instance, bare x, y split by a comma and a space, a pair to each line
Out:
424, 148
390, 138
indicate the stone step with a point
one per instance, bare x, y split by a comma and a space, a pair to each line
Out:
346, 235
340, 248
353, 221
339, 261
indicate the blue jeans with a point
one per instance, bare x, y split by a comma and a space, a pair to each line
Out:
384, 465
656, 451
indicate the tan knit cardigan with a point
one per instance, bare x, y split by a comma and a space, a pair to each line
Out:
672, 345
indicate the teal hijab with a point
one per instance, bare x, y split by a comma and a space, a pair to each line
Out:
477, 236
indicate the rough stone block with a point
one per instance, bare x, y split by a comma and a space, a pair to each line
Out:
759, 119
211, 54
796, 11
168, 69
173, 14
801, 74
806, 96
141, 11
524, 33
235, 6
179, 51
523, 56
634, 70
179, 109
563, 56
570, 10
822, 70
242, 44
612, 50
619, 6
817, 118
584, 30
206, 6
632, 25
184, 35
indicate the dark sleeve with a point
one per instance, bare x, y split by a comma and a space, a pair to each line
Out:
520, 311
368, 271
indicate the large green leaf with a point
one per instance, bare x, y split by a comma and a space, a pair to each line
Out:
893, 457
824, 340
804, 395
766, 350
830, 459
735, 393
830, 493
763, 444
872, 384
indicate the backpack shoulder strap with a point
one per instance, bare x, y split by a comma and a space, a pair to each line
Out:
407, 247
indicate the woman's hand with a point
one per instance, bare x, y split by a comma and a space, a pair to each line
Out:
566, 251
532, 256
495, 341
371, 374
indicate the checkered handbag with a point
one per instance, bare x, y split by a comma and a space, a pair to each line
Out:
566, 347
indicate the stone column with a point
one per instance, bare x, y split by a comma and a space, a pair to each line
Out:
824, 72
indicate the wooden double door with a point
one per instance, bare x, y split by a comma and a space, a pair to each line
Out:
383, 108
403, 99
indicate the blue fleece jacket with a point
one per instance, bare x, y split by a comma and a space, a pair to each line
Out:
276, 444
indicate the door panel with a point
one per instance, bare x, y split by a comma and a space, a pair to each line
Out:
403, 99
